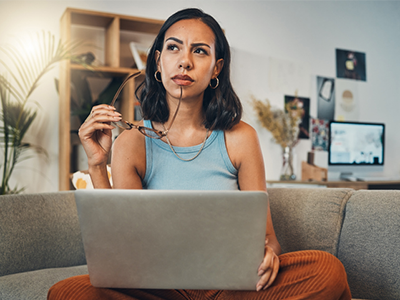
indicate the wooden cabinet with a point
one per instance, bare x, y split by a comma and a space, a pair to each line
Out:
107, 36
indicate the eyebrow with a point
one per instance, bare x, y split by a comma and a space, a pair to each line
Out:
181, 42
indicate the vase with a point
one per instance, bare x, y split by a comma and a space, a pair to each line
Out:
287, 172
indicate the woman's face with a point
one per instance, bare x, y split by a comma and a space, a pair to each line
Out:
188, 59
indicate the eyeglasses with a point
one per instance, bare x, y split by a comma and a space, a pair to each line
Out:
149, 132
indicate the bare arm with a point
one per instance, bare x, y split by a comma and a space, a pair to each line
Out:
245, 153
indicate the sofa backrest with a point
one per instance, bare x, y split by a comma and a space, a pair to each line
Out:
361, 228
308, 219
39, 231
369, 246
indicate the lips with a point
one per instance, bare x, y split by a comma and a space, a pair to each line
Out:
181, 79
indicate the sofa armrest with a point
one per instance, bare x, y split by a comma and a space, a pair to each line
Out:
39, 231
369, 244
306, 219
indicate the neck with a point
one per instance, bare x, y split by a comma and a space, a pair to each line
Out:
190, 114
188, 127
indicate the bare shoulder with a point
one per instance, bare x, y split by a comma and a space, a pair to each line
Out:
128, 140
241, 141
241, 132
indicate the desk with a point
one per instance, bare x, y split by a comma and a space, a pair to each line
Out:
356, 185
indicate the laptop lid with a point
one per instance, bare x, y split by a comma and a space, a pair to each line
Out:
173, 239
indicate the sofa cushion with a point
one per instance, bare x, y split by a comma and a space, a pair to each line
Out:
306, 219
39, 231
35, 284
369, 244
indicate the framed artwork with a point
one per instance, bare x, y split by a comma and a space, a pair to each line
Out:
347, 103
319, 134
139, 53
325, 98
350, 65
304, 105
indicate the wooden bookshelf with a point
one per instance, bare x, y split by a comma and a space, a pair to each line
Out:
109, 36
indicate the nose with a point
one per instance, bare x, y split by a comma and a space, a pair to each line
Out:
185, 61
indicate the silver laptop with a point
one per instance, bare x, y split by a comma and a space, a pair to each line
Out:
173, 239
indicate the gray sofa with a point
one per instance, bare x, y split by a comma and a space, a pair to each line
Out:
40, 240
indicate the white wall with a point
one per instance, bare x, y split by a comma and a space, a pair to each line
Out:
305, 33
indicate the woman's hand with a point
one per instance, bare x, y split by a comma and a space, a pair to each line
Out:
268, 269
95, 134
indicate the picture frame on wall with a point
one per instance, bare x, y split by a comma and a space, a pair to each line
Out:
139, 53
326, 98
304, 105
351, 65
319, 134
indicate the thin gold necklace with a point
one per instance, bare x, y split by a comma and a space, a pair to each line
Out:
176, 154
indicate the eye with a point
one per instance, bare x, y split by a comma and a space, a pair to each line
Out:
172, 47
201, 51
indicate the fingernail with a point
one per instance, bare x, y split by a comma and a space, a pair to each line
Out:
117, 118
260, 272
258, 288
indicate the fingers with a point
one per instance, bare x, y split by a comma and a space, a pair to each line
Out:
95, 133
274, 273
99, 118
99, 121
268, 269
88, 129
104, 114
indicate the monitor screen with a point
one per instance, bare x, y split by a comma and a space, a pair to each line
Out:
356, 144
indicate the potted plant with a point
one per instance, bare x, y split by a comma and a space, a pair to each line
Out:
284, 126
23, 71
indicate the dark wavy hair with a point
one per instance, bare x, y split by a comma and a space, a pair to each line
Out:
221, 106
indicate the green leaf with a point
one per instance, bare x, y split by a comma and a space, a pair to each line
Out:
25, 63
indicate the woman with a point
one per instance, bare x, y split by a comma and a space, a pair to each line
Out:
187, 89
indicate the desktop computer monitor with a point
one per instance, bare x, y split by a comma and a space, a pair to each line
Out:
356, 148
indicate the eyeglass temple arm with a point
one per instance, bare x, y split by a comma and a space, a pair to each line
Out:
130, 76
176, 112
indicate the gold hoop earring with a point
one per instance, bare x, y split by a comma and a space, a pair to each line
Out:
155, 76
216, 85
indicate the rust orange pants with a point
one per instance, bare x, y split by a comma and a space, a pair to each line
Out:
302, 275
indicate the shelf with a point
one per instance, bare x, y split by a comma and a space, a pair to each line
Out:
107, 37
104, 19
110, 71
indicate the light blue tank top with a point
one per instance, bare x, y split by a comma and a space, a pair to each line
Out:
211, 170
